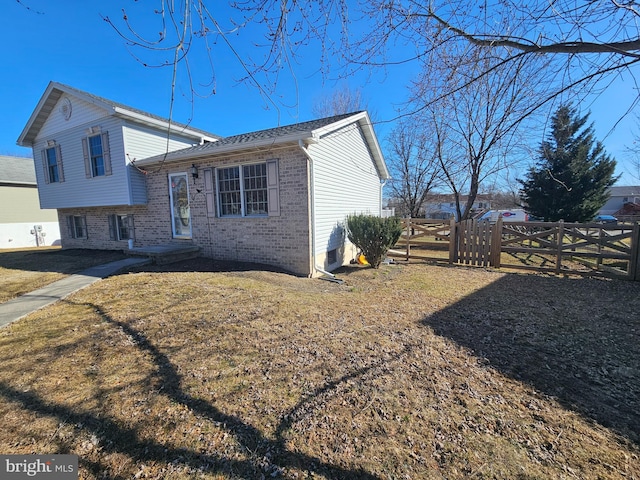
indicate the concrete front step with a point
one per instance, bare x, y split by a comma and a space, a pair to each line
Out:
165, 254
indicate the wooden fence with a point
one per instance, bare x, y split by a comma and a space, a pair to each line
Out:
560, 248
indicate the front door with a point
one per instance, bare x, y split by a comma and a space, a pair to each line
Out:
180, 212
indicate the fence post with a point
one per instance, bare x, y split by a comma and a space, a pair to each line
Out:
496, 243
453, 235
407, 221
634, 261
559, 246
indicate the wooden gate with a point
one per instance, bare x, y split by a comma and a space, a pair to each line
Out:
473, 242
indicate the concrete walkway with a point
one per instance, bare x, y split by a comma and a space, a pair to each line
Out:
21, 306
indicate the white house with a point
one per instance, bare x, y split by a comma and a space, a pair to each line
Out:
278, 196
22, 222
619, 196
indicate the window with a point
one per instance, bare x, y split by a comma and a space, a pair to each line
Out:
249, 190
229, 189
52, 163
95, 148
121, 227
255, 189
77, 226
95, 156
332, 256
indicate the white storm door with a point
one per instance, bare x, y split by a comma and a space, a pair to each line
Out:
180, 211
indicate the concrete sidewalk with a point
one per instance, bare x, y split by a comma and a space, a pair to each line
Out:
21, 306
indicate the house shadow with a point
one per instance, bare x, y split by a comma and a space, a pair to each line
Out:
575, 340
55, 259
204, 265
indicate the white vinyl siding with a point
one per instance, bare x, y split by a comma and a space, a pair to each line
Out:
345, 182
142, 142
77, 190
83, 114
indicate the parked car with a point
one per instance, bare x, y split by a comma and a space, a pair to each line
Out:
605, 219
513, 215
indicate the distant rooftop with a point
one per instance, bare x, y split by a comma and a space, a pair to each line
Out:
17, 170
631, 191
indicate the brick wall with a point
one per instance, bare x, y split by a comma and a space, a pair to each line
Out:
283, 241
97, 227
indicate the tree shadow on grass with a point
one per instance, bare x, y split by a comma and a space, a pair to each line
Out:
577, 340
265, 456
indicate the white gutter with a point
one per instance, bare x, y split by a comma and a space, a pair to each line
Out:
217, 149
312, 212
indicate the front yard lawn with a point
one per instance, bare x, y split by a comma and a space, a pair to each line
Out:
25, 270
407, 372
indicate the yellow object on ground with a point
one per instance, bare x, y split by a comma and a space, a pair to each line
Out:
362, 260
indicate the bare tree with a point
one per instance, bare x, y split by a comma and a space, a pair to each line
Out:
581, 44
413, 165
342, 100
476, 126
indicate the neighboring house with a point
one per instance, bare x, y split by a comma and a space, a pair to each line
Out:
22, 222
619, 196
278, 196
443, 206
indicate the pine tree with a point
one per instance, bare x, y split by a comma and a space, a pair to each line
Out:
572, 178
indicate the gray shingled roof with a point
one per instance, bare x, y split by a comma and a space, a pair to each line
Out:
625, 191
260, 135
136, 110
17, 170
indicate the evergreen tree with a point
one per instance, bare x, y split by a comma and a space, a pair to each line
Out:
573, 175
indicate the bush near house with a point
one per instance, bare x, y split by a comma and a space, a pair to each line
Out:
374, 236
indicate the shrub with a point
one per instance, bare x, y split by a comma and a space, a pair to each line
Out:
374, 236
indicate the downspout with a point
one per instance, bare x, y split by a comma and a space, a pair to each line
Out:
382, 184
312, 212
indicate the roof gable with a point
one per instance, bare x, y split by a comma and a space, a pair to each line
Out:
55, 91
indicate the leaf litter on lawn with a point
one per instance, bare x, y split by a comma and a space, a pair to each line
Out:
409, 371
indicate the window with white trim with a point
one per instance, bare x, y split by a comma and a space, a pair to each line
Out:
97, 157
229, 191
77, 225
121, 227
248, 190
52, 163
254, 178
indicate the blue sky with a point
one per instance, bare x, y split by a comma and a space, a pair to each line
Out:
69, 42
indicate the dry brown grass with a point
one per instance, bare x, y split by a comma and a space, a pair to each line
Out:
27, 269
406, 372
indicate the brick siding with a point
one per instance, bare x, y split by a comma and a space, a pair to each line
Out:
283, 241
